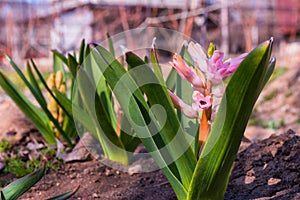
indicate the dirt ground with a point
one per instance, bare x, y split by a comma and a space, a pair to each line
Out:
267, 169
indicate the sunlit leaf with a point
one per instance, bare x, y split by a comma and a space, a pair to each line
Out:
15, 189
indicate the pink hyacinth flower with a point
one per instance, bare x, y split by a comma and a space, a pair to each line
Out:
201, 102
183, 107
214, 67
186, 72
223, 70
231, 65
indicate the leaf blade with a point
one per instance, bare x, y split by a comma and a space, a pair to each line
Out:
20, 186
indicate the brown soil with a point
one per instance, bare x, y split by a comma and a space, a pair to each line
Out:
264, 170
99, 182
267, 170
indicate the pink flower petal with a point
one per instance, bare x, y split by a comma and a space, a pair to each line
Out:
183, 107
186, 72
201, 102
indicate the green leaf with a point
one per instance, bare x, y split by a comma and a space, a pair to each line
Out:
32, 89
58, 63
156, 66
128, 136
60, 56
81, 52
15, 189
65, 195
186, 56
39, 100
105, 96
35, 84
185, 92
270, 71
213, 168
38, 118
171, 80
72, 65
80, 115
110, 45
110, 142
2, 196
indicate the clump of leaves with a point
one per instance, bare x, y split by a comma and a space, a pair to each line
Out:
270, 96
4, 145
51, 119
19, 167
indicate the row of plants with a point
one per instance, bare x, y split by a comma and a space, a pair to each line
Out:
190, 123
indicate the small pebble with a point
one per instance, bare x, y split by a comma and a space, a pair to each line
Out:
134, 169
108, 172
72, 176
86, 171
95, 196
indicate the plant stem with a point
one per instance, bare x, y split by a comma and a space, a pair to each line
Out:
205, 118
204, 126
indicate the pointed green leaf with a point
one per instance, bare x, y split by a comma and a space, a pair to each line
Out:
58, 64
65, 195
81, 52
110, 45
128, 136
15, 189
156, 66
79, 114
60, 56
72, 65
171, 80
35, 84
110, 142
270, 71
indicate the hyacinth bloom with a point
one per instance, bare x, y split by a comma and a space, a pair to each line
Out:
186, 72
179, 104
214, 68
209, 72
206, 79
201, 102
219, 70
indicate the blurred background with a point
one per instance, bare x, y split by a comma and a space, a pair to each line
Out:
32, 28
